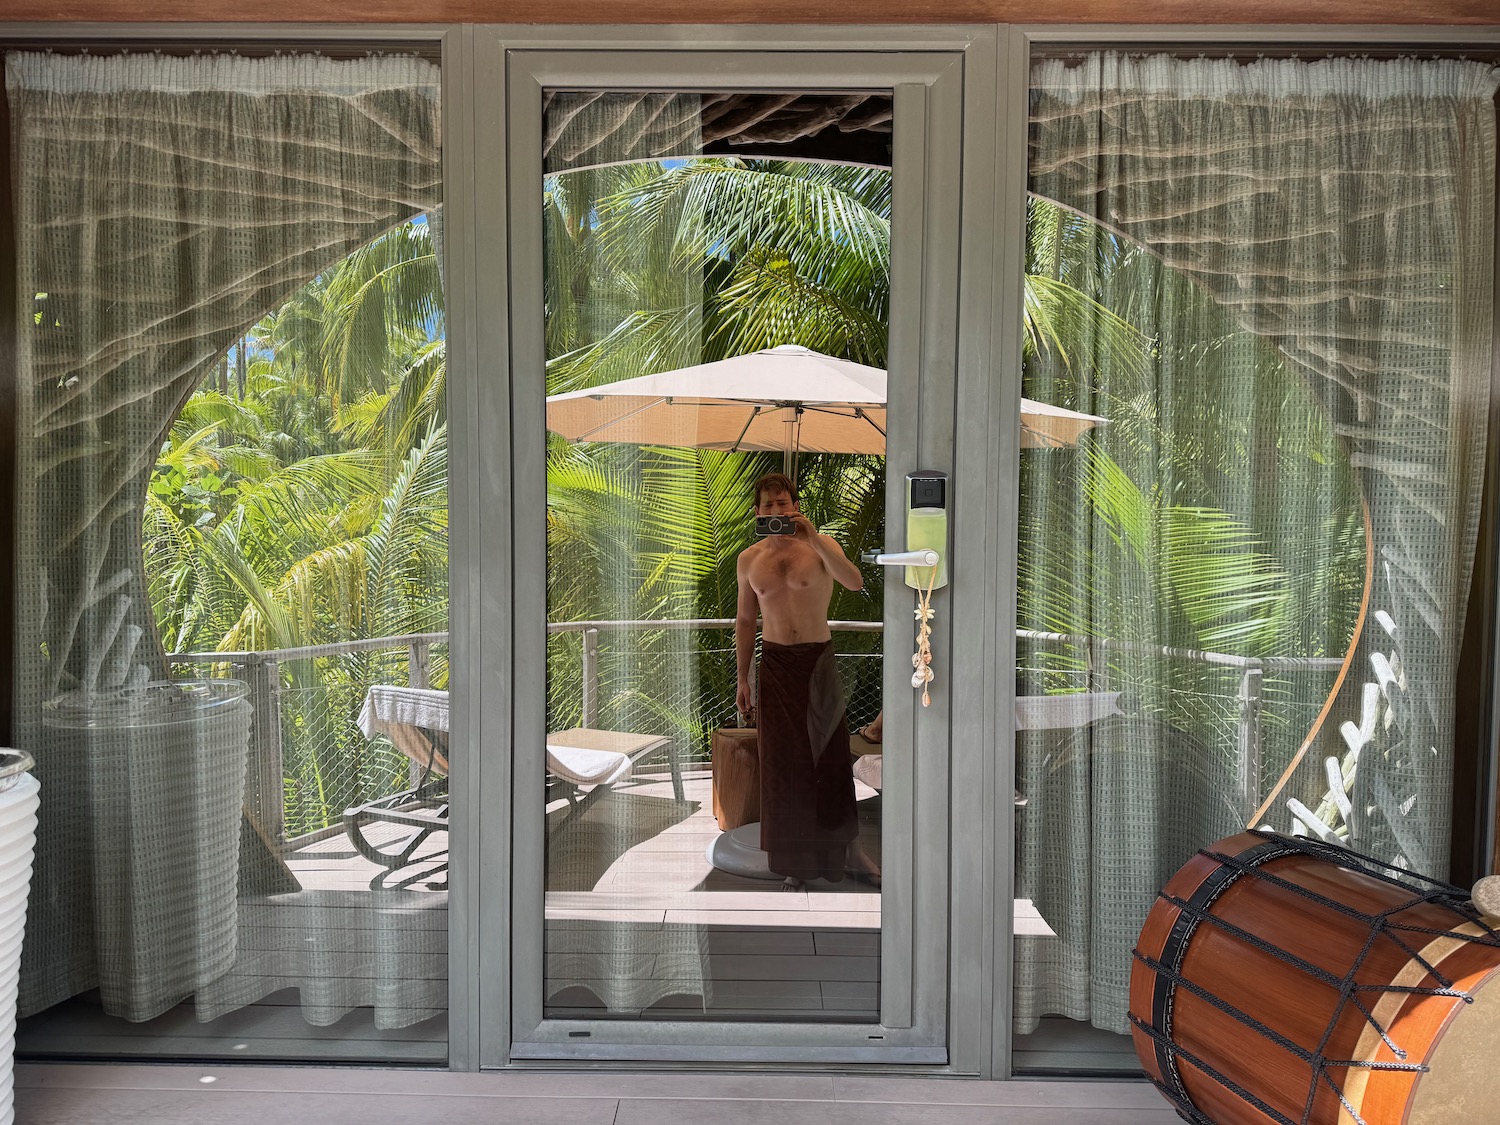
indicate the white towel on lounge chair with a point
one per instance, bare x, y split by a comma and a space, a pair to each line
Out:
582, 766
867, 768
387, 706
1065, 711
398, 713
414, 719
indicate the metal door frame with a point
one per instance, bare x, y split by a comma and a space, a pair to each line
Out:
936, 77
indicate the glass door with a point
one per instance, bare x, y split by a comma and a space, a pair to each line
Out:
721, 268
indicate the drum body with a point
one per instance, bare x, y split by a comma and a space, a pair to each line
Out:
1250, 974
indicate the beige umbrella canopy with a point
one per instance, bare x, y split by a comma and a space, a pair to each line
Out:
787, 398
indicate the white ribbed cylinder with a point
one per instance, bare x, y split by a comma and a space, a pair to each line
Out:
18, 806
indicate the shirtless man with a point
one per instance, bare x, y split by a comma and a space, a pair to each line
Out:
809, 826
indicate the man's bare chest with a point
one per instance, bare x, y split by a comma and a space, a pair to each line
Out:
786, 568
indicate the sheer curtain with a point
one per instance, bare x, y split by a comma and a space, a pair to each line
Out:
1268, 551
606, 940
163, 205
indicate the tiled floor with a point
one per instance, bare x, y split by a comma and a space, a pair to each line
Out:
96, 1095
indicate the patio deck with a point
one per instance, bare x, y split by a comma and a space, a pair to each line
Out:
630, 888
628, 878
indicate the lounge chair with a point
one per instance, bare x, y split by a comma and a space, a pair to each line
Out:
582, 765
415, 720
1033, 712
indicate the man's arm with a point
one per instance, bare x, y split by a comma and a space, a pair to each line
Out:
844, 572
746, 615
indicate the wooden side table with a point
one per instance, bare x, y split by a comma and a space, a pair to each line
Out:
736, 768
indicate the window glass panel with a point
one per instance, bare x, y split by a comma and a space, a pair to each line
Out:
232, 500
708, 246
1241, 596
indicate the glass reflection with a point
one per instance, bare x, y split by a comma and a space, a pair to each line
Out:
715, 332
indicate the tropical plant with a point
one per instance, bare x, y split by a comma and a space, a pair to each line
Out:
1217, 512
307, 503
653, 267
303, 500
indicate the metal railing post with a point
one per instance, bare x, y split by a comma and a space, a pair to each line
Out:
591, 677
418, 675
1098, 666
267, 784
419, 665
1248, 737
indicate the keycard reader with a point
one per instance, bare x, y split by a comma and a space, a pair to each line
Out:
927, 526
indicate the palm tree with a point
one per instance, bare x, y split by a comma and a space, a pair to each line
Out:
269, 507
652, 267
1217, 511
313, 507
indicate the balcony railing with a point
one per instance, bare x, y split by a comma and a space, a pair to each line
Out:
1226, 695
588, 633
309, 761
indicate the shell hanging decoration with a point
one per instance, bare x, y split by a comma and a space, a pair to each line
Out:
921, 660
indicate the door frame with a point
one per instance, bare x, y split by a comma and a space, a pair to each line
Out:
953, 74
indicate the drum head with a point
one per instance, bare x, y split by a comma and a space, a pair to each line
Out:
1459, 1088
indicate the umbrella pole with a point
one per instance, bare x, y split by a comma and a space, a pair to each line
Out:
792, 417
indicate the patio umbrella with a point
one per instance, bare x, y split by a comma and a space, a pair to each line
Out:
787, 398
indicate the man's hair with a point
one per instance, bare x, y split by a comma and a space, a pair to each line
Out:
775, 482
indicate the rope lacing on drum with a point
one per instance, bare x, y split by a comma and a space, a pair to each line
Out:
1385, 923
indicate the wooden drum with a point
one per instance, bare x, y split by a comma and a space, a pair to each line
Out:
1257, 967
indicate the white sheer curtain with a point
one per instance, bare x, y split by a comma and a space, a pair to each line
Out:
163, 205
601, 947
1285, 504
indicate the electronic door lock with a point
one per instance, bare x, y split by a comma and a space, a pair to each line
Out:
927, 527
926, 532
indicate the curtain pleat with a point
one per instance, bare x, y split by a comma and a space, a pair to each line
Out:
595, 144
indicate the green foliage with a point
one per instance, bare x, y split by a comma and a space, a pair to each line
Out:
653, 267
308, 505
306, 501
1217, 511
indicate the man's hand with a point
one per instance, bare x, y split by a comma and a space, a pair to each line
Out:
743, 703
805, 528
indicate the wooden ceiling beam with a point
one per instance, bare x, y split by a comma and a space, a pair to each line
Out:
1425, 13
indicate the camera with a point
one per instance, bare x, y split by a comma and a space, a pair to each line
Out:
775, 525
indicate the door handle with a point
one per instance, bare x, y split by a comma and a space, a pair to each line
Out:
901, 558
